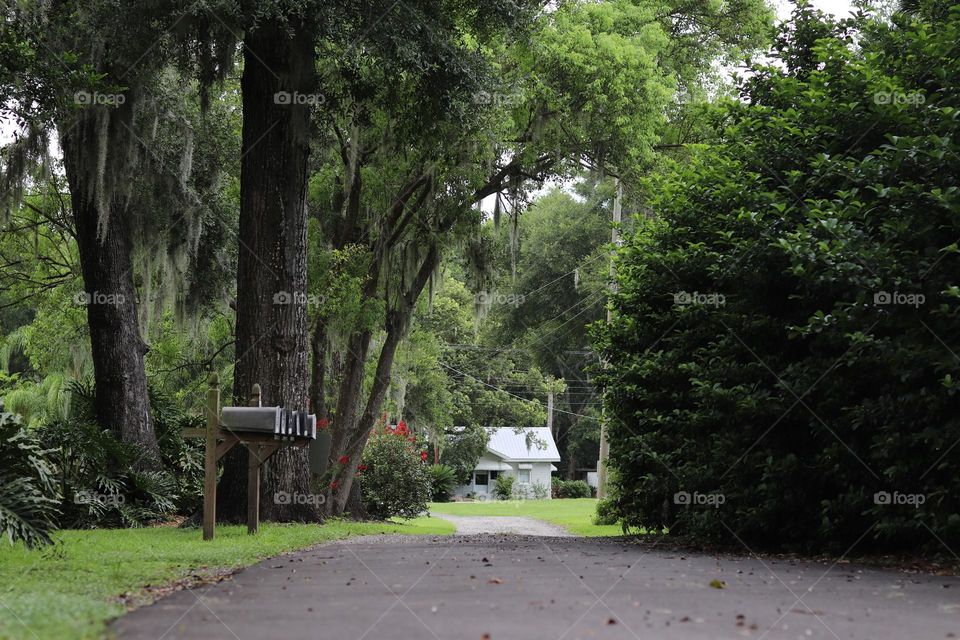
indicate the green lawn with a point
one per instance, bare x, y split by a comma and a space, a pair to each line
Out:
71, 590
575, 515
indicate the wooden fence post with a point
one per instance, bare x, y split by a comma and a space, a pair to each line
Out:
210, 458
253, 472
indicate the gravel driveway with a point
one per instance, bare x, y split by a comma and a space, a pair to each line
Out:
473, 525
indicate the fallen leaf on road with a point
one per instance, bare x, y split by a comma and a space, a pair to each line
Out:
718, 584
494, 581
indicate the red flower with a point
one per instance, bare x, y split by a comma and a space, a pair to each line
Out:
343, 460
361, 467
323, 423
334, 485
423, 456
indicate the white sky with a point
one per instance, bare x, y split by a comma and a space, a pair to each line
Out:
839, 8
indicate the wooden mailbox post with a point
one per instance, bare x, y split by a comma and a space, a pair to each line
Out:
261, 432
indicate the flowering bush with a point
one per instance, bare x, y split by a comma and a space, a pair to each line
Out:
395, 481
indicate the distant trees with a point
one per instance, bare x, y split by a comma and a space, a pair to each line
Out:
370, 135
782, 366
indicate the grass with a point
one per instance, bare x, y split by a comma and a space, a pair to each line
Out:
71, 590
575, 515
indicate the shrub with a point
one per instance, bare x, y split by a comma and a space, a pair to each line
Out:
395, 481
539, 490
606, 512
573, 489
503, 487
101, 482
555, 483
776, 352
442, 482
28, 495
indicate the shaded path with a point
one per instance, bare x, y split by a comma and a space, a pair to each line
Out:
517, 587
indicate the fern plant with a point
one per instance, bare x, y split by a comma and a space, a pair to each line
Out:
28, 495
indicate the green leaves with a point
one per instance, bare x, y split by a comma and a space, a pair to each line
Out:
28, 494
828, 376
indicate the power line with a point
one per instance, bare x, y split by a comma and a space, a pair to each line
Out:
463, 373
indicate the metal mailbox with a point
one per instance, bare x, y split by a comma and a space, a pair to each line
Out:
284, 424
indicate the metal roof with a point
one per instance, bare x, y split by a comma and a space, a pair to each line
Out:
531, 444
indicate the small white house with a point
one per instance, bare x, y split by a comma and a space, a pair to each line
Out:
528, 455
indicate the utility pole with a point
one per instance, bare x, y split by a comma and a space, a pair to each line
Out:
550, 411
604, 443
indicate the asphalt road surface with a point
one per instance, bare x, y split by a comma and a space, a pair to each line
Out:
516, 587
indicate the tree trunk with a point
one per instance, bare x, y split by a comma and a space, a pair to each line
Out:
349, 437
122, 401
272, 344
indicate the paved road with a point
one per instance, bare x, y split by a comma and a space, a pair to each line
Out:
501, 587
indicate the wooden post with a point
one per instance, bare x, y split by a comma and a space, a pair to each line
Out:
604, 441
210, 458
253, 488
253, 472
550, 412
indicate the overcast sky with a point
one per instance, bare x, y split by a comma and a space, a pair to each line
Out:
839, 8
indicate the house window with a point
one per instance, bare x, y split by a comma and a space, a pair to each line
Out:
480, 478
523, 476
493, 475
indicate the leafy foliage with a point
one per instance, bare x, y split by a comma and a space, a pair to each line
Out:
503, 487
779, 362
95, 472
28, 495
442, 482
572, 489
395, 481
463, 450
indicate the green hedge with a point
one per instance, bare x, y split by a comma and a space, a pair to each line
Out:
784, 352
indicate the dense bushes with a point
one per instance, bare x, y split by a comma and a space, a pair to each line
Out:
560, 488
394, 480
87, 477
104, 482
782, 358
572, 489
28, 495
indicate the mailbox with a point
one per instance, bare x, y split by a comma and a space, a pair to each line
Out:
284, 424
